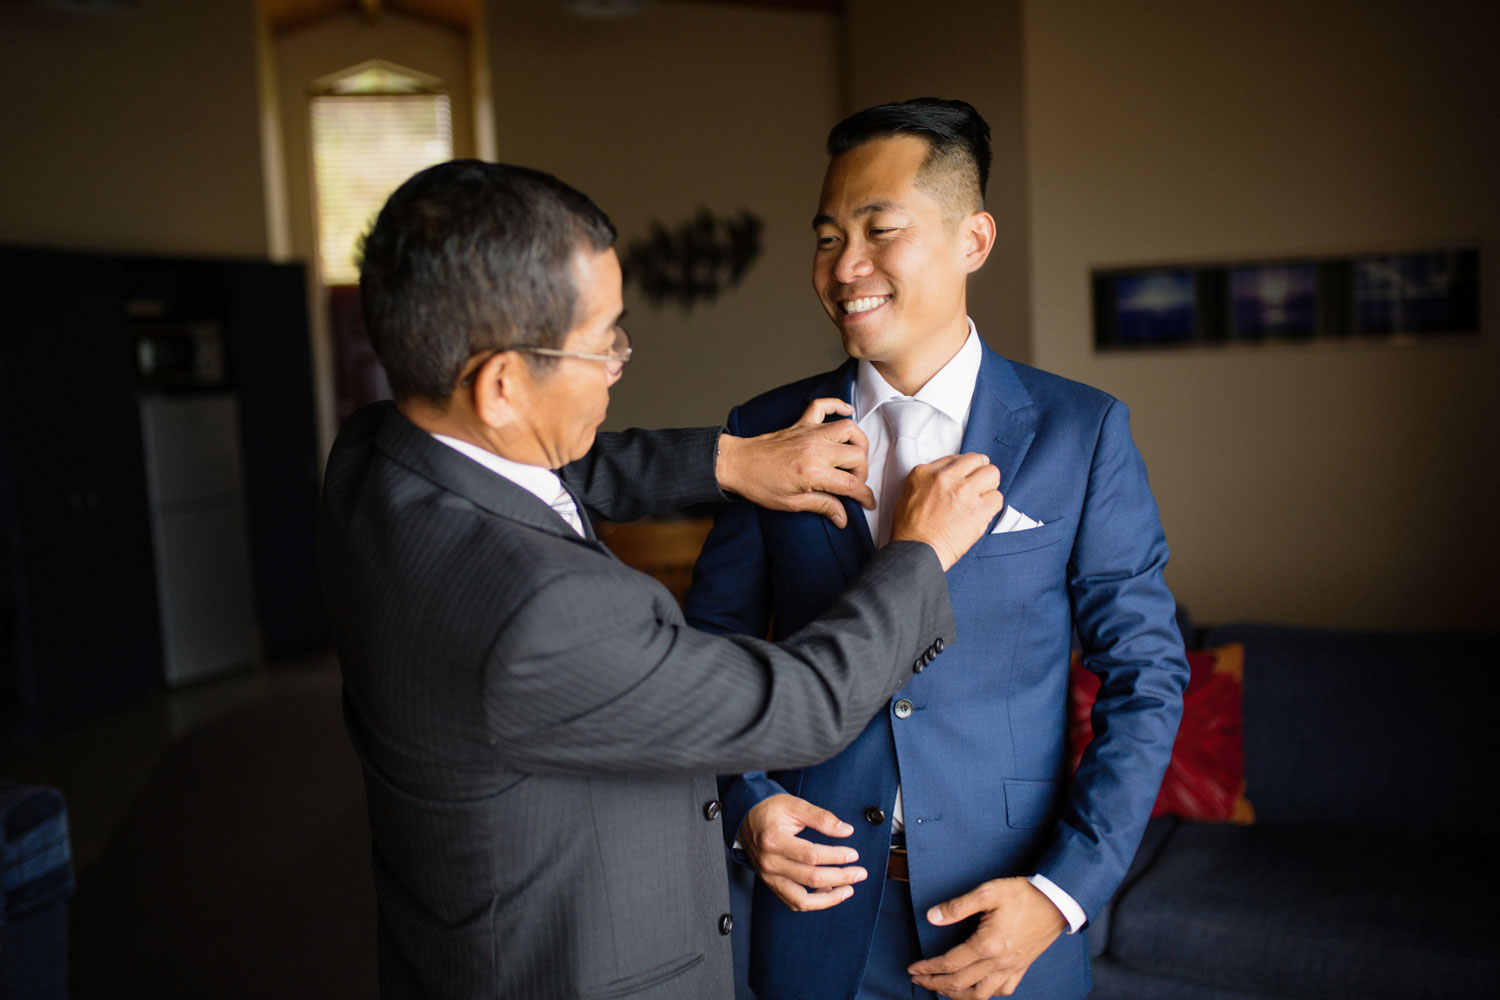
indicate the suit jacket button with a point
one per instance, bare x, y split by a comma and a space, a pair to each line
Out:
874, 815
917, 667
937, 644
903, 709
726, 924
712, 809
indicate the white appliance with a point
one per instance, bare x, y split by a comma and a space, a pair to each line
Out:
194, 480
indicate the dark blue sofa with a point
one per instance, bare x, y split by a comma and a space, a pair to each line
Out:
1370, 870
36, 882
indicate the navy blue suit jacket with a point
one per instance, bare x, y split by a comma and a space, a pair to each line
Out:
980, 759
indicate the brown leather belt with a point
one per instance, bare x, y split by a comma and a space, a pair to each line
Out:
895, 866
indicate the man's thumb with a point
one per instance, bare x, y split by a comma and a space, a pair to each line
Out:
954, 910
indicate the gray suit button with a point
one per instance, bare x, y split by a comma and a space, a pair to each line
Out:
726, 924
918, 667
937, 645
712, 809
903, 709
874, 815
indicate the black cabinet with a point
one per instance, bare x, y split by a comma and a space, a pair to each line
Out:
81, 622
79, 628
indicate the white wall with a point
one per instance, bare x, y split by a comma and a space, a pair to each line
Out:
1338, 485
684, 106
132, 129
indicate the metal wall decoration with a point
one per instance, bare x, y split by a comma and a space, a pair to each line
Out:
695, 260
1391, 295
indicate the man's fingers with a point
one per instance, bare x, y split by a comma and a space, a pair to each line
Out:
963, 465
811, 876
960, 956
845, 432
959, 907
819, 409
822, 503
798, 898
846, 456
848, 484
820, 819
976, 982
778, 852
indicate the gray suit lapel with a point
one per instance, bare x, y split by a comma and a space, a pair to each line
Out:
429, 458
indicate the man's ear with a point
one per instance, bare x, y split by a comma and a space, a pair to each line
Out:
501, 386
977, 233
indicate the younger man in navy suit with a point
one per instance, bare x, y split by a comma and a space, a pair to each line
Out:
978, 859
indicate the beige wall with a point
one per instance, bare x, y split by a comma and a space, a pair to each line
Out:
684, 106
970, 50
1345, 485
303, 57
132, 129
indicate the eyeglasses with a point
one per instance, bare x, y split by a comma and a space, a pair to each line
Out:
614, 362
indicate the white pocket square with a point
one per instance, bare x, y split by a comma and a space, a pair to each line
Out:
1013, 520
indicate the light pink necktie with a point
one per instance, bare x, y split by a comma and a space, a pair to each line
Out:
568, 510
904, 421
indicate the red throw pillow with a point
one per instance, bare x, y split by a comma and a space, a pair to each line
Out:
1206, 776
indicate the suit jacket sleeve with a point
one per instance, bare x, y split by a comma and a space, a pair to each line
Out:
635, 473
627, 686
1126, 620
731, 595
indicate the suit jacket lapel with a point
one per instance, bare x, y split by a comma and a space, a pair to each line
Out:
414, 448
852, 545
1002, 417
588, 524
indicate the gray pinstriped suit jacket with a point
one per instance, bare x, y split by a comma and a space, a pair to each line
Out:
539, 729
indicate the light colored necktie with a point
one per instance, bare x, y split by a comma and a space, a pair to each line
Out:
905, 420
568, 511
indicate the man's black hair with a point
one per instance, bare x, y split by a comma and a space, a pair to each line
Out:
468, 257
958, 142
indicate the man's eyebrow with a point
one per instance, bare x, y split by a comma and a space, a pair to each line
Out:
868, 209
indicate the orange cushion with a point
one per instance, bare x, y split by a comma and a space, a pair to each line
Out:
1206, 776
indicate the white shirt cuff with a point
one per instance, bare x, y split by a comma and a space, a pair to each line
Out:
1071, 911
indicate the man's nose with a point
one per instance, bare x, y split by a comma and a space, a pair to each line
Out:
852, 263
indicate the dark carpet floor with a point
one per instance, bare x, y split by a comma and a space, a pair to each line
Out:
243, 870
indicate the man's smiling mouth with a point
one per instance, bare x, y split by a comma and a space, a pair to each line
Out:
865, 304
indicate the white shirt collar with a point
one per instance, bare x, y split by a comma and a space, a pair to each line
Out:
949, 391
534, 479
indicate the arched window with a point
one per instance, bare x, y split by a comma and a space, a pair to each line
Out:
373, 126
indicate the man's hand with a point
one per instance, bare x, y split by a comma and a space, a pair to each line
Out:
1016, 924
802, 466
799, 871
948, 504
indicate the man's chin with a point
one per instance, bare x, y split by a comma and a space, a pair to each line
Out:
860, 345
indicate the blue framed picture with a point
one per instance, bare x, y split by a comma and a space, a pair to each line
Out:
1273, 300
1417, 293
1396, 295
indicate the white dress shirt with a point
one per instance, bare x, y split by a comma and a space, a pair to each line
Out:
949, 392
540, 482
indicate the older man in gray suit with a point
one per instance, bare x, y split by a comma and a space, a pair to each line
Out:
538, 727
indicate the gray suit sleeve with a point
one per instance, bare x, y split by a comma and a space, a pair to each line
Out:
635, 473
592, 676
